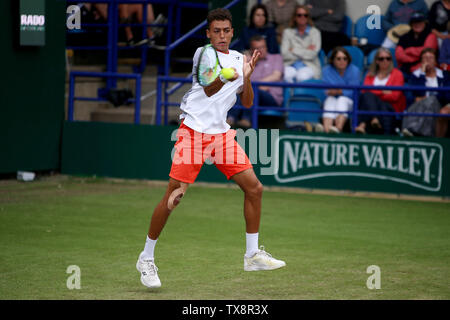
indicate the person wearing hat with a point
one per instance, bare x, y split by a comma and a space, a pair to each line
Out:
411, 44
396, 19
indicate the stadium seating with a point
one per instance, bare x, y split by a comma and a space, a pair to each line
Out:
304, 98
347, 27
373, 36
322, 58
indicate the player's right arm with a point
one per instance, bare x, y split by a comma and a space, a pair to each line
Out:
216, 85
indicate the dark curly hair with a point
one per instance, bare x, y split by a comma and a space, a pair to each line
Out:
219, 14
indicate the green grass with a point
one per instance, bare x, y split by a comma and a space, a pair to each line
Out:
327, 242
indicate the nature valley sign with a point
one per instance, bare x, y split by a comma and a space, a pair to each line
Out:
415, 163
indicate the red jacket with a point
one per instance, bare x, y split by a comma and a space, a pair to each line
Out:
396, 98
411, 55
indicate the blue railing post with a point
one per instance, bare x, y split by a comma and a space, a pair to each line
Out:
144, 48
158, 100
355, 109
255, 107
137, 102
111, 64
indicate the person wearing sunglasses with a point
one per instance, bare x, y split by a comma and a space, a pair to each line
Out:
340, 71
381, 73
300, 48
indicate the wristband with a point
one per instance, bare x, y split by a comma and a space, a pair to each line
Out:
222, 78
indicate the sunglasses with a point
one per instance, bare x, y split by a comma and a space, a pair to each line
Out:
341, 58
384, 58
302, 15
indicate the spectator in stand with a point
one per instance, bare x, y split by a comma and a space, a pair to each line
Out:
280, 14
399, 12
328, 17
259, 24
444, 54
269, 68
340, 71
428, 75
381, 73
439, 16
411, 44
126, 14
300, 48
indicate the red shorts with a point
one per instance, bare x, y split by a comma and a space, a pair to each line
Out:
193, 148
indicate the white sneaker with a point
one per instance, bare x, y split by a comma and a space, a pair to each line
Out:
149, 273
262, 261
333, 129
318, 127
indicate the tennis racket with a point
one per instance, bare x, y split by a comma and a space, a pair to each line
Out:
208, 67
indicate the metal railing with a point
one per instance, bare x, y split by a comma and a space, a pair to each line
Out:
113, 26
164, 103
108, 75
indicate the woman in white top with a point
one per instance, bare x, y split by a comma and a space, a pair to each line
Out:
300, 48
381, 73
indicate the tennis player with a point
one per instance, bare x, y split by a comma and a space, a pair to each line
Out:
204, 134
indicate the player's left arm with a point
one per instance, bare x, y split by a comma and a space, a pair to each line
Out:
247, 90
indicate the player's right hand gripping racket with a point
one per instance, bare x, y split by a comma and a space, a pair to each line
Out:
208, 67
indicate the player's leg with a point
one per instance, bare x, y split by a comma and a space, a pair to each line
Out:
175, 191
254, 259
145, 264
253, 190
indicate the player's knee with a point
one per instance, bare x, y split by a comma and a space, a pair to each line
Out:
175, 196
256, 190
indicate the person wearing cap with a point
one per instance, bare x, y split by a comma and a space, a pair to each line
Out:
397, 17
412, 43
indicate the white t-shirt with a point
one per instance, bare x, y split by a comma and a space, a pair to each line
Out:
430, 82
208, 114
380, 82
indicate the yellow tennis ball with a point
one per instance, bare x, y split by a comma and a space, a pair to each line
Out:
228, 73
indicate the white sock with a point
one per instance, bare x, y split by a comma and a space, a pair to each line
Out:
251, 243
149, 249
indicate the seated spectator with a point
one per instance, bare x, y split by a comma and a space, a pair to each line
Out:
126, 14
439, 16
341, 71
428, 75
444, 55
259, 24
411, 44
280, 14
381, 73
444, 52
399, 12
300, 48
269, 68
328, 17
